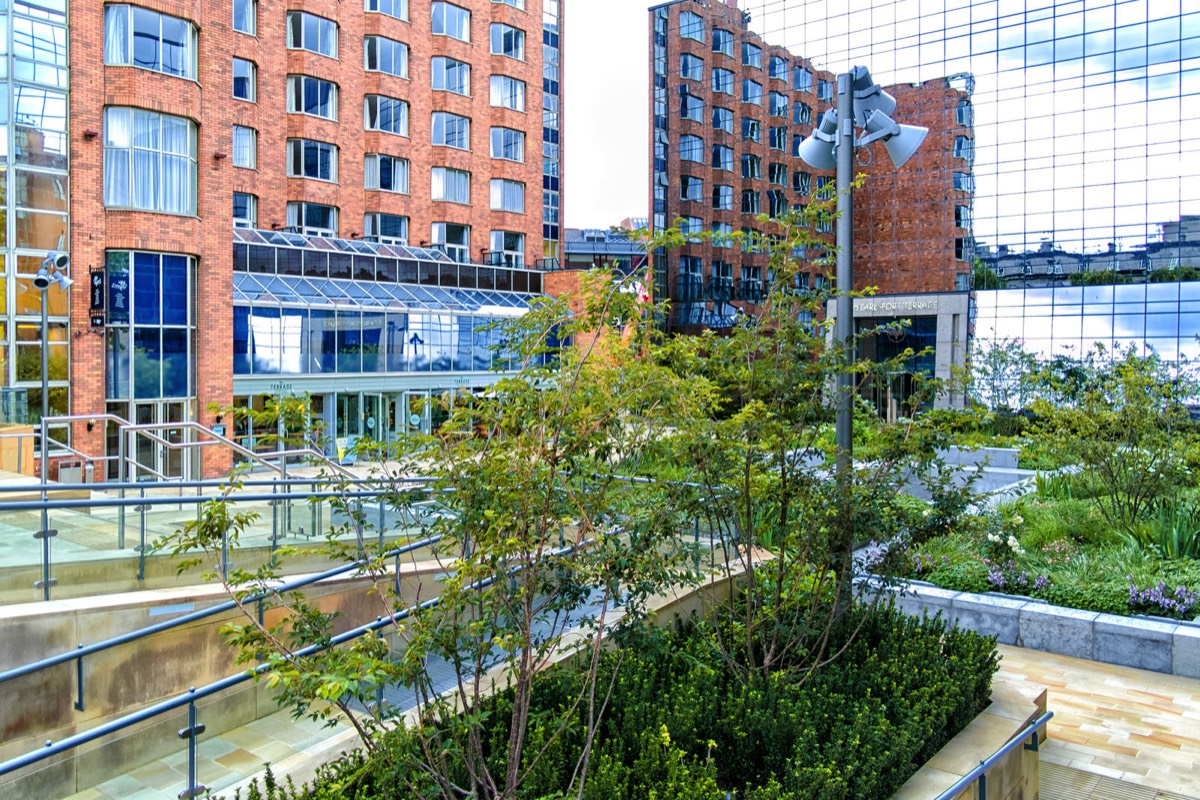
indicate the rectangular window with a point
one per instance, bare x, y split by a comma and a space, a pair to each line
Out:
386, 114
393, 8
451, 130
752, 92
689, 226
964, 182
751, 130
751, 166
508, 144
507, 92
691, 26
802, 79
309, 32
454, 239
722, 198
386, 228
801, 182
514, 3
964, 148
691, 189
722, 234
722, 157
245, 147
777, 204
824, 90
385, 55
385, 173
691, 67
139, 37
802, 114
451, 75
965, 113
779, 68
750, 202
451, 185
778, 138
313, 96
722, 119
778, 104
245, 210
149, 161
964, 250
244, 79
690, 107
311, 159
751, 55
511, 247
691, 148
777, 174
508, 196
508, 41
451, 20
245, 16
722, 81
962, 217
312, 219
722, 42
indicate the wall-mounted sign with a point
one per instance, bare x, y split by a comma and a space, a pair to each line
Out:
97, 292
97, 320
118, 297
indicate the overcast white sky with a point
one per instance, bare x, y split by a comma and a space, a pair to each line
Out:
607, 108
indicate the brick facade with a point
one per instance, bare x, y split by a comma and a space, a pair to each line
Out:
905, 238
209, 102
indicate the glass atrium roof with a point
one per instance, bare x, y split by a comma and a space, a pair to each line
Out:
285, 239
376, 297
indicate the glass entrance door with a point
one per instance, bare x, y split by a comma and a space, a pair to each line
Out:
151, 459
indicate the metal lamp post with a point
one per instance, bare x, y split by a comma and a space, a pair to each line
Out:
53, 270
861, 103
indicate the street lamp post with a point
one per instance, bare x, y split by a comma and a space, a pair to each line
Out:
861, 103
53, 270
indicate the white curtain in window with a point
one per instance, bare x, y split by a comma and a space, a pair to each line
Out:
116, 177
293, 215
116, 35
371, 172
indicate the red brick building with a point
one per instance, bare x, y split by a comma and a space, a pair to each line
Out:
385, 123
728, 112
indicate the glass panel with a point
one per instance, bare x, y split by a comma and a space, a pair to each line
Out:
147, 357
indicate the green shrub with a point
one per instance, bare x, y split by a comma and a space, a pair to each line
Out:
1172, 532
678, 726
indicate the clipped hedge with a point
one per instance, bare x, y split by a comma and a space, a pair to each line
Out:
679, 726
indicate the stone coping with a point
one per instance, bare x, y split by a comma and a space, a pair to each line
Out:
1151, 643
1014, 706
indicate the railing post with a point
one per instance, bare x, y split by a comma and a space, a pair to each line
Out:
79, 680
121, 473
982, 795
45, 534
141, 509
193, 730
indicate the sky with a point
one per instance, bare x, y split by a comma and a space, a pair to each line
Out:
607, 111
1062, 151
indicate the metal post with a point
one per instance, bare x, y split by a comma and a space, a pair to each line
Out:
193, 730
79, 680
121, 473
45, 448
844, 323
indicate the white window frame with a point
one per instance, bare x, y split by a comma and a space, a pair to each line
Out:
116, 15
373, 164
402, 104
253, 98
501, 92
514, 259
120, 156
505, 144
252, 205
315, 47
461, 127
444, 181
507, 196
374, 45
443, 7
295, 159
460, 252
372, 222
252, 135
295, 211
518, 38
691, 26
379, 6
694, 143
253, 4
296, 91
443, 66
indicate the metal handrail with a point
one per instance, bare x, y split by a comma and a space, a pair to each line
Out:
204, 484
190, 697
978, 774
220, 608
172, 500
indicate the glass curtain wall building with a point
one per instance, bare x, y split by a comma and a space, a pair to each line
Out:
34, 203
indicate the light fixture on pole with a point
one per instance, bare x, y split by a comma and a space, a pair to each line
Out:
861, 103
53, 270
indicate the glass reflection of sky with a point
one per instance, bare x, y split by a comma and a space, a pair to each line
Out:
1071, 319
1085, 113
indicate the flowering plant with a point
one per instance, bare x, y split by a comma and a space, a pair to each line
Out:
1157, 599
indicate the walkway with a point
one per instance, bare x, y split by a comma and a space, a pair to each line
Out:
1113, 726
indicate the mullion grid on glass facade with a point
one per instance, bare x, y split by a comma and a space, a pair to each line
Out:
36, 194
1083, 117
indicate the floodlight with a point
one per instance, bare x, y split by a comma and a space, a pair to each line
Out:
901, 141
817, 150
42, 279
63, 281
868, 97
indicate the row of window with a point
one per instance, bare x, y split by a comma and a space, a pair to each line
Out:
691, 148
139, 37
